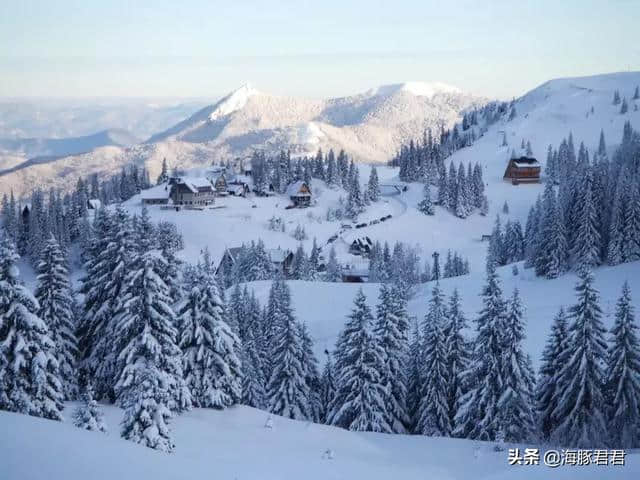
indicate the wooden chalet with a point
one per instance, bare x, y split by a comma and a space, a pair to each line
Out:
192, 192
299, 193
353, 274
221, 186
522, 170
361, 246
280, 259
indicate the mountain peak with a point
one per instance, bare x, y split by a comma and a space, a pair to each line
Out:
419, 89
233, 102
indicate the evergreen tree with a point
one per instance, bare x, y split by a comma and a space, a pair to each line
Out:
516, 402
328, 388
392, 331
359, 401
210, 350
108, 265
458, 353
373, 187
146, 417
146, 341
333, 272
88, 415
580, 406
312, 377
624, 108
586, 245
287, 390
546, 388
623, 375
29, 381
164, 174
433, 413
425, 205
478, 415
54, 296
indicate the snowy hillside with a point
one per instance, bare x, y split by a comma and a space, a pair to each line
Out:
235, 445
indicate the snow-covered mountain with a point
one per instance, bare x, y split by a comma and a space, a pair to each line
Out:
370, 126
58, 147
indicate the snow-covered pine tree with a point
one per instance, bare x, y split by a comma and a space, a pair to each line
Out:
29, 381
300, 265
458, 352
587, 242
623, 375
392, 333
373, 187
253, 357
210, 350
462, 198
616, 97
88, 415
546, 398
328, 388
433, 412
312, 377
164, 174
170, 242
333, 273
146, 417
552, 250
443, 191
314, 261
624, 108
145, 338
287, 390
53, 293
580, 404
109, 262
414, 380
359, 403
478, 414
426, 205
516, 402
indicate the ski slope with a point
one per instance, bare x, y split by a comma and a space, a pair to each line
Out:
235, 445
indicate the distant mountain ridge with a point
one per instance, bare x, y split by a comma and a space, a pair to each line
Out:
370, 126
60, 147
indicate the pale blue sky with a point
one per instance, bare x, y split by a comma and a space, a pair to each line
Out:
202, 48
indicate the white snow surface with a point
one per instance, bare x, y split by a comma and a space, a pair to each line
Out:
234, 444
234, 101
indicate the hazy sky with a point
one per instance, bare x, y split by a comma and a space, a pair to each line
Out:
200, 48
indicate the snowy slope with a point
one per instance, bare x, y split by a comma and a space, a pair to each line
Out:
325, 306
234, 445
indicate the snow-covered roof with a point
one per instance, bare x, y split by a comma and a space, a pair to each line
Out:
195, 183
293, 190
161, 191
277, 255
526, 162
235, 188
94, 203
